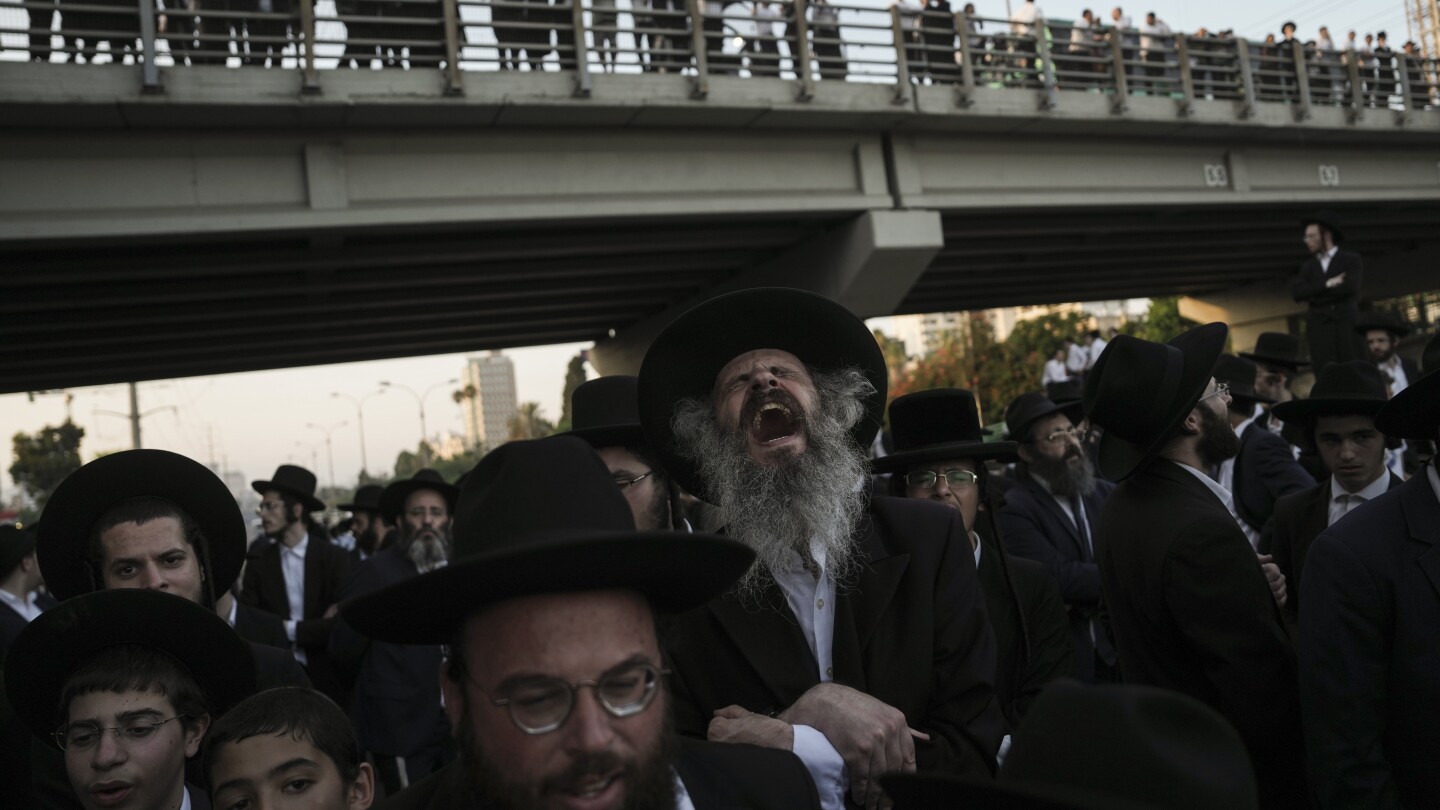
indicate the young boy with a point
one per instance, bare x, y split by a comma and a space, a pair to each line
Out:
125, 683
287, 748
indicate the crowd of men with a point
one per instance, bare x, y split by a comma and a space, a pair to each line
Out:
709, 594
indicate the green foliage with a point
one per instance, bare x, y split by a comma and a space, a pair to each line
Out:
529, 423
1162, 321
44, 459
408, 463
574, 377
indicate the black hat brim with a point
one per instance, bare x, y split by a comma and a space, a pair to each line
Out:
1308, 410
688, 354
676, 571
392, 500
311, 502
1200, 349
1396, 329
47, 652
1414, 413
631, 435
63, 538
1074, 409
1283, 362
1004, 452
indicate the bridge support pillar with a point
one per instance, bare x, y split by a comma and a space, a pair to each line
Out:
868, 264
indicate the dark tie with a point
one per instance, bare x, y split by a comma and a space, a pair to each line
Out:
1082, 527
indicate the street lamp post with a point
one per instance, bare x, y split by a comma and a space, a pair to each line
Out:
420, 401
329, 455
360, 422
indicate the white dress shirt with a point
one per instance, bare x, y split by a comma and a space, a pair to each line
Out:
1342, 501
1093, 353
1395, 370
682, 796
25, 606
185, 802
1075, 361
292, 565
1326, 257
1054, 372
1226, 479
1023, 20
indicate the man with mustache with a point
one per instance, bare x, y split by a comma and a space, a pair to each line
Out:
859, 638
396, 706
1052, 514
1189, 605
555, 683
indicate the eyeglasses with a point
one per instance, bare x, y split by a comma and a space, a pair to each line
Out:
544, 704
421, 512
269, 506
1221, 390
625, 482
83, 736
925, 479
1061, 435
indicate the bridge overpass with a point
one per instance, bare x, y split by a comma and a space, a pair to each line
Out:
160, 218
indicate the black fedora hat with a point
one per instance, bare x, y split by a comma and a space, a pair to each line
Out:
545, 516
688, 354
935, 425
297, 482
1277, 349
606, 412
1415, 412
1065, 391
1326, 218
367, 499
392, 500
15, 543
1104, 748
63, 537
1382, 319
1239, 374
50, 648
1352, 388
1140, 391
1032, 406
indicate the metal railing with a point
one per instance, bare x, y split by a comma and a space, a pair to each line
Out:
801, 41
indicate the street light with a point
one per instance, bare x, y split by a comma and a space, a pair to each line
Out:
329, 456
360, 422
420, 400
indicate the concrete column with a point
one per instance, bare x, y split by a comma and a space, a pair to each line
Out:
869, 265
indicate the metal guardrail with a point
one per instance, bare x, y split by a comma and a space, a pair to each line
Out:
802, 41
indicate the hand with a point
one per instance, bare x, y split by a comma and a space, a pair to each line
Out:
872, 737
1336, 281
733, 724
332, 611
1274, 577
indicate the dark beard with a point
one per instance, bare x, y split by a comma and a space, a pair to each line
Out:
290, 520
657, 513
427, 548
366, 541
1066, 479
1218, 441
651, 781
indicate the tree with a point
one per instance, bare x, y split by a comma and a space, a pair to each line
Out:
894, 354
44, 459
574, 378
1162, 321
528, 423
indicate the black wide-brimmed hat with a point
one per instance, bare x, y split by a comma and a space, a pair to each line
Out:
1352, 388
935, 425
1277, 349
297, 482
1382, 319
688, 354
1326, 218
50, 648
15, 543
1139, 392
1103, 748
1239, 374
63, 538
1415, 412
392, 500
545, 516
1065, 391
1032, 406
606, 412
367, 499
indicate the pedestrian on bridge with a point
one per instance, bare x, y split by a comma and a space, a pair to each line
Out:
1330, 283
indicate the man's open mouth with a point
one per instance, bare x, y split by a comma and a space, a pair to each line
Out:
773, 423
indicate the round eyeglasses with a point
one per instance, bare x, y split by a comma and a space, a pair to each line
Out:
1221, 390
626, 482
83, 736
1063, 434
926, 479
541, 705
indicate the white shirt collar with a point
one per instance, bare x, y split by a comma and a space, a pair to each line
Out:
978, 545
1330, 254
24, 605
185, 802
1211, 484
1240, 428
1434, 479
234, 608
299, 548
1369, 492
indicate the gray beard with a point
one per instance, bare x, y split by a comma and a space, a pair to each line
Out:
806, 498
1065, 481
427, 552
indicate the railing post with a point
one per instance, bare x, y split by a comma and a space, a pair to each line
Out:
902, 61
1187, 76
454, 86
1402, 68
1049, 96
1302, 79
1121, 102
1357, 88
582, 52
966, 90
697, 44
149, 71
802, 45
1247, 78
306, 57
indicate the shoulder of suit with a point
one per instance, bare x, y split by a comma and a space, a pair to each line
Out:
912, 510
1297, 501
741, 764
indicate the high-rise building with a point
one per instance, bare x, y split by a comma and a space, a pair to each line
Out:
488, 413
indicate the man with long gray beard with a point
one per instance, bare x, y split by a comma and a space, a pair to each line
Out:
859, 638
1052, 514
396, 705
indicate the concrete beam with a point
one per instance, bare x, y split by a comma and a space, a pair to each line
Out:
869, 265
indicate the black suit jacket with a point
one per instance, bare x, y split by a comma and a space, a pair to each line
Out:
327, 567
1334, 311
1265, 471
1298, 520
396, 707
718, 776
259, 627
1036, 528
1191, 611
1022, 673
910, 630
11, 623
1369, 659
